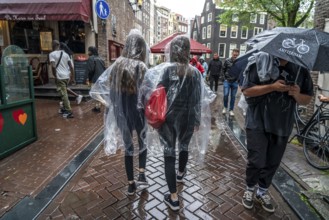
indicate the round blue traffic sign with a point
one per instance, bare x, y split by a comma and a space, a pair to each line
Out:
102, 9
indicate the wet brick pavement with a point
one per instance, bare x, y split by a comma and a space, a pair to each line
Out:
27, 171
212, 189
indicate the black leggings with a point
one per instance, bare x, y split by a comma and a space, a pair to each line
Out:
170, 169
129, 164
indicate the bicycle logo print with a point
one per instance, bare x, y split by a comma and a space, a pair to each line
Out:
291, 43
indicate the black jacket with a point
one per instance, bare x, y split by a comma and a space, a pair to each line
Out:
95, 67
226, 70
215, 67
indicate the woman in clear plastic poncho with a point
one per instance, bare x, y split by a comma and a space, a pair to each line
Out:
186, 102
117, 88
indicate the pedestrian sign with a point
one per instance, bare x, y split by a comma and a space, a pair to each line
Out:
102, 9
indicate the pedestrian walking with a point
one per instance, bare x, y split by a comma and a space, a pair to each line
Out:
62, 69
230, 83
95, 67
204, 65
194, 62
271, 99
117, 88
185, 107
214, 71
78, 98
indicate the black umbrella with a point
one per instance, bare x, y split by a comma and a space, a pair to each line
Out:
305, 47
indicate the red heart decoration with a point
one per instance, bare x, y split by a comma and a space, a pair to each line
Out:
16, 115
1, 123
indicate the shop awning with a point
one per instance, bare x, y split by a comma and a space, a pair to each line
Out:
56, 10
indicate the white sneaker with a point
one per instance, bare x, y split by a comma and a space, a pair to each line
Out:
79, 99
244, 113
224, 111
231, 113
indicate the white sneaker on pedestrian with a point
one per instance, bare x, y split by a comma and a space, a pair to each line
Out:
231, 113
79, 99
224, 111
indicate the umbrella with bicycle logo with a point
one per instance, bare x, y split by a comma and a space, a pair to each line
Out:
305, 47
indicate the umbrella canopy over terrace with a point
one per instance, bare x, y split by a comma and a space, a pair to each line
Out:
196, 47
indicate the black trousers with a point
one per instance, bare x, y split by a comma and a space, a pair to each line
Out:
265, 152
180, 127
214, 79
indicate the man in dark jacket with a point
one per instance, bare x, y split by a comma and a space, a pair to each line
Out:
214, 70
230, 82
95, 67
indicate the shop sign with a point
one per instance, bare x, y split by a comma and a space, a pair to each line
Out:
35, 17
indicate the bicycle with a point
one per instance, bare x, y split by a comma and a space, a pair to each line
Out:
291, 43
315, 135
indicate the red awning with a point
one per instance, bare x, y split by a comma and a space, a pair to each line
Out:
196, 47
34, 10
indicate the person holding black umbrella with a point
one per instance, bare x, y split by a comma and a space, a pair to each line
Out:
272, 87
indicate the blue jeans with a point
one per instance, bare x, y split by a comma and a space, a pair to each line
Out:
230, 87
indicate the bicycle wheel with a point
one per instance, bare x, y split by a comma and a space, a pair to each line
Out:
316, 143
301, 114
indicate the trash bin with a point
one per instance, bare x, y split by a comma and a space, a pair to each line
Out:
17, 106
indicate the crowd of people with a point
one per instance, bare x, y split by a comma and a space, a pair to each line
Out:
184, 88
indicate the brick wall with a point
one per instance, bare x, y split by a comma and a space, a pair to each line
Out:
125, 21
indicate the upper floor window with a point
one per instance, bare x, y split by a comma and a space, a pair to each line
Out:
202, 19
235, 18
253, 18
244, 32
232, 47
234, 31
262, 19
209, 17
204, 32
257, 30
207, 6
222, 30
209, 31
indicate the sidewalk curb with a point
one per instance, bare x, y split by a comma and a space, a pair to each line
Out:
283, 181
31, 208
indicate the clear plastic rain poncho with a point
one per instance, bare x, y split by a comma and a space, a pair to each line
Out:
117, 88
188, 115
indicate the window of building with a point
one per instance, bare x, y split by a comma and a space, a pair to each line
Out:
195, 35
253, 18
257, 30
207, 6
204, 32
209, 31
243, 49
209, 46
235, 18
244, 32
209, 17
234, 31
221, 50
232, 47
222, 30
262, 19
202, 19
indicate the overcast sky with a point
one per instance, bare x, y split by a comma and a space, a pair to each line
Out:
187, 8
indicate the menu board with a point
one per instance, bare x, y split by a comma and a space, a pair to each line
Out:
80, 70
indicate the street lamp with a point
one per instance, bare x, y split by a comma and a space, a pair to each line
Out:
136, 5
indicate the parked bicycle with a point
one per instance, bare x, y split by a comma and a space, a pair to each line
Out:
314, 134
